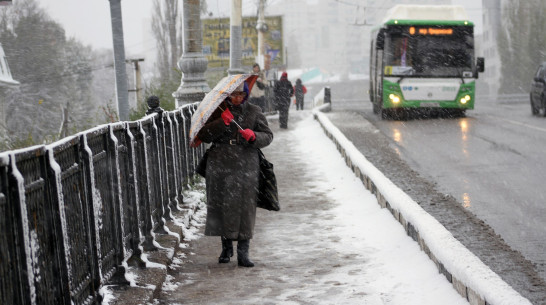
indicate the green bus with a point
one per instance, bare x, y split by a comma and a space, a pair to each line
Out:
422, 57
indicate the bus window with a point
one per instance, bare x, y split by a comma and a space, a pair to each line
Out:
399, 56
445, 56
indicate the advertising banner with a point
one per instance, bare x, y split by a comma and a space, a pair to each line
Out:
216, 41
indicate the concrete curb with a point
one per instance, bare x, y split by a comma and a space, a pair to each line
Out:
470, 277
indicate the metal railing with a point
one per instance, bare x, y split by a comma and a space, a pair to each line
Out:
73, 212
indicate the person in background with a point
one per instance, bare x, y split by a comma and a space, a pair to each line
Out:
257, 95
299, 91
233, 170
283, 92
153, 105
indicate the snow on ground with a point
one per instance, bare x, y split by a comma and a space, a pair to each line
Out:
396, 269
390, 267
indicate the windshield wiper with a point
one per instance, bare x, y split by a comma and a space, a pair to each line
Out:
460, 72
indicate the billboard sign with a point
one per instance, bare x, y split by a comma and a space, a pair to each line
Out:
5, 2
216, 41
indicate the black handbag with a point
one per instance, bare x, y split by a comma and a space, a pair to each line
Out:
268, 197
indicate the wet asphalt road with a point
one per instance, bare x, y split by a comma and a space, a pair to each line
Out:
489, 164
492, 161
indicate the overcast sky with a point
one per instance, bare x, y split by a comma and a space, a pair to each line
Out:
89, 21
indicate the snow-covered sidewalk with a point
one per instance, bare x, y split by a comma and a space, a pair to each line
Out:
330, 244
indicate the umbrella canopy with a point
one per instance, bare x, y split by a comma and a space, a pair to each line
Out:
213, 99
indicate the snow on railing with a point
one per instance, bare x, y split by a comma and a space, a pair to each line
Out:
73, 213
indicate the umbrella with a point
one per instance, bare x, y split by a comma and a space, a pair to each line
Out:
214, 99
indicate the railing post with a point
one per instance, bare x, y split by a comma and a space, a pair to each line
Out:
156, 178
98, 151
170, 170
13, 263
66, 163
165, 185
186, 121
179, 148
117, 158
132, 188
143, 147
41, 232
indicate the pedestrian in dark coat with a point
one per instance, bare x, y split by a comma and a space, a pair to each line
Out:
232, 172
153, 105
299, 91
283, 92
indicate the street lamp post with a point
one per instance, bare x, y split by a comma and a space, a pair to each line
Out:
261, 26
236, 38
193, 63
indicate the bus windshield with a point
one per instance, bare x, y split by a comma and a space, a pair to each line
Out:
429, 55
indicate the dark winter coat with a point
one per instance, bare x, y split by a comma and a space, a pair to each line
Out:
232, 172
299, 90
283, 92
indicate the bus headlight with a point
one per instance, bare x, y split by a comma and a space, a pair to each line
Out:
394, 98
465, 99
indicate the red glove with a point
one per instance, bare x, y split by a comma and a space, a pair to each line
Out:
227, 116
248, 135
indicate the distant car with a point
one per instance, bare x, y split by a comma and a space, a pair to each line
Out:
538, 90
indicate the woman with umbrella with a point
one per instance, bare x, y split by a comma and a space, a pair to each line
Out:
236, 129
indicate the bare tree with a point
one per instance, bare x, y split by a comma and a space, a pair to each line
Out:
55, 75
167, 30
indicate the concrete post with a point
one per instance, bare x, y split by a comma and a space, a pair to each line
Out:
193, 63
138, 80
236, 38
262, 29
119, 60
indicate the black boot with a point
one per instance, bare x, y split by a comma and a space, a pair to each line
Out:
242, 253
227, 251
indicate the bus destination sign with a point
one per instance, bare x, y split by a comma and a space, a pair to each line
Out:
430, 31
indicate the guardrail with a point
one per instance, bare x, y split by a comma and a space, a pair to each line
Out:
74, 212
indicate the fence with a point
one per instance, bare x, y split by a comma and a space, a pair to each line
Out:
71, 213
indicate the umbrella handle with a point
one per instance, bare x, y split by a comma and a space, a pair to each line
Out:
232, 120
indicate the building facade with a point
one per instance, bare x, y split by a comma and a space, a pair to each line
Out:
332, 35
492, 14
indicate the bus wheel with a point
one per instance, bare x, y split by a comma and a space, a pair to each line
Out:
375, 108
457, 113
462, 113
384, 113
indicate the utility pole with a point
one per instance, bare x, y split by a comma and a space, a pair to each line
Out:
138, 79
236, 38
119, 60
261, 26
192, 63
